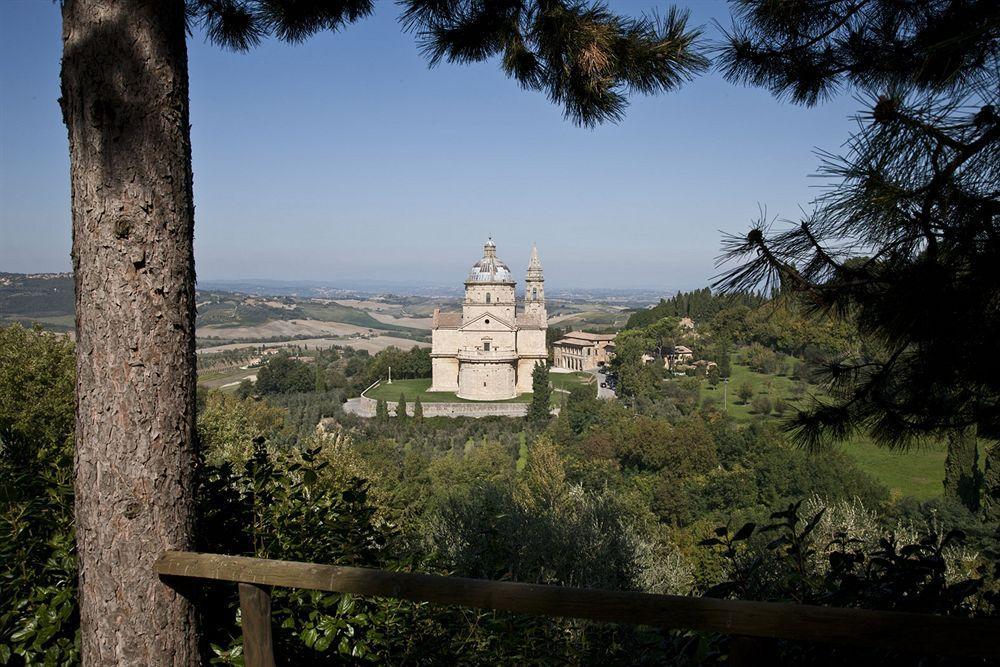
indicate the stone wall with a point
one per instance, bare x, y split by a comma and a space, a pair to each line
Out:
486, 382
501, 303
445, 374
365, 407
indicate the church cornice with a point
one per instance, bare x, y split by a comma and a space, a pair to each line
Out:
482, 316
491, 303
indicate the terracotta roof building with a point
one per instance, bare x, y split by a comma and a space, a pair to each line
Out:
582, 351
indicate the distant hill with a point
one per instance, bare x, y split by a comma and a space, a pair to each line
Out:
47, 299
43, 298
227, 306
227, 309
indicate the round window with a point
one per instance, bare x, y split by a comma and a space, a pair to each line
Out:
487, 321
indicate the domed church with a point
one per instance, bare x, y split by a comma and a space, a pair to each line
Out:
488, 351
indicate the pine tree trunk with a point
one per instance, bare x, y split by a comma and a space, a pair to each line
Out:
125, 105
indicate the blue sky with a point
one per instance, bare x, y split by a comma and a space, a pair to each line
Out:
347, 157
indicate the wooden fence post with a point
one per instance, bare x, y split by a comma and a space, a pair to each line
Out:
255, 611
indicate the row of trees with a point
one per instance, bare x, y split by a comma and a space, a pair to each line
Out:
699, 305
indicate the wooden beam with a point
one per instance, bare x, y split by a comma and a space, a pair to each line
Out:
255, 617
918, 633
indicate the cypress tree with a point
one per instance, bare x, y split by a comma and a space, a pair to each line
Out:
723, 359
381, 410
962, 479
991, 486
541, 393
401, 407
418, 409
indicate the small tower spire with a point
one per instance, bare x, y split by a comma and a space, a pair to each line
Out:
534, 290
534, 265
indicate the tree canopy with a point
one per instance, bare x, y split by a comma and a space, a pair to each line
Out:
583, 56
906, 240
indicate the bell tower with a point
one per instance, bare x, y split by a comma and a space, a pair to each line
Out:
534, 291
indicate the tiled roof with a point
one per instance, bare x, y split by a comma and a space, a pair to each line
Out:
593, 337
447, 320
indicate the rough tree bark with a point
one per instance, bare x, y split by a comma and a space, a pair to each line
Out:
125, 105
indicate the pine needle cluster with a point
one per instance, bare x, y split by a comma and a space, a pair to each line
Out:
906, 239
583, 56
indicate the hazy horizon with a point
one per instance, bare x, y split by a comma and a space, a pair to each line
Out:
346, 158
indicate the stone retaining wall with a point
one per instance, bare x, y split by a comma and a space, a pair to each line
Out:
365, 407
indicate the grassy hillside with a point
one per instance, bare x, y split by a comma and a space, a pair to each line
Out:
917, 472
45, 299
222, 309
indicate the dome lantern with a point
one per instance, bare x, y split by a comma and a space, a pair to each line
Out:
490, 269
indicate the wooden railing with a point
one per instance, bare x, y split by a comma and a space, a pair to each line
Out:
917, 633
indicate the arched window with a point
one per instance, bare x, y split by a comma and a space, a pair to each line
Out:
487, 297
534, 292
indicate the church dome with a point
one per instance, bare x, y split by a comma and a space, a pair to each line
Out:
490, 269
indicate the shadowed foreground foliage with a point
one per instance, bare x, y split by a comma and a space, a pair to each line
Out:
906, 241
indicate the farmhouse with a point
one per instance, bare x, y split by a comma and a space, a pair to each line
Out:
582, 351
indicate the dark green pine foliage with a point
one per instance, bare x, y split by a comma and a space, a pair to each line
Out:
401, 407
381, 410
541, 393
580, 54
418, 409
906, 239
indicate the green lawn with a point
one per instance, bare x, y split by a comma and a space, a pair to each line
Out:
917, 472
413, 388
567, 381
775, 386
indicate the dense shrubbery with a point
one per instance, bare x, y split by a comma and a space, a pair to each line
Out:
845, 554
604, 495
284, 375
38, 614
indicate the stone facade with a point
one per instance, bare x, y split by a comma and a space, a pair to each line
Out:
488, 351
582, 351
